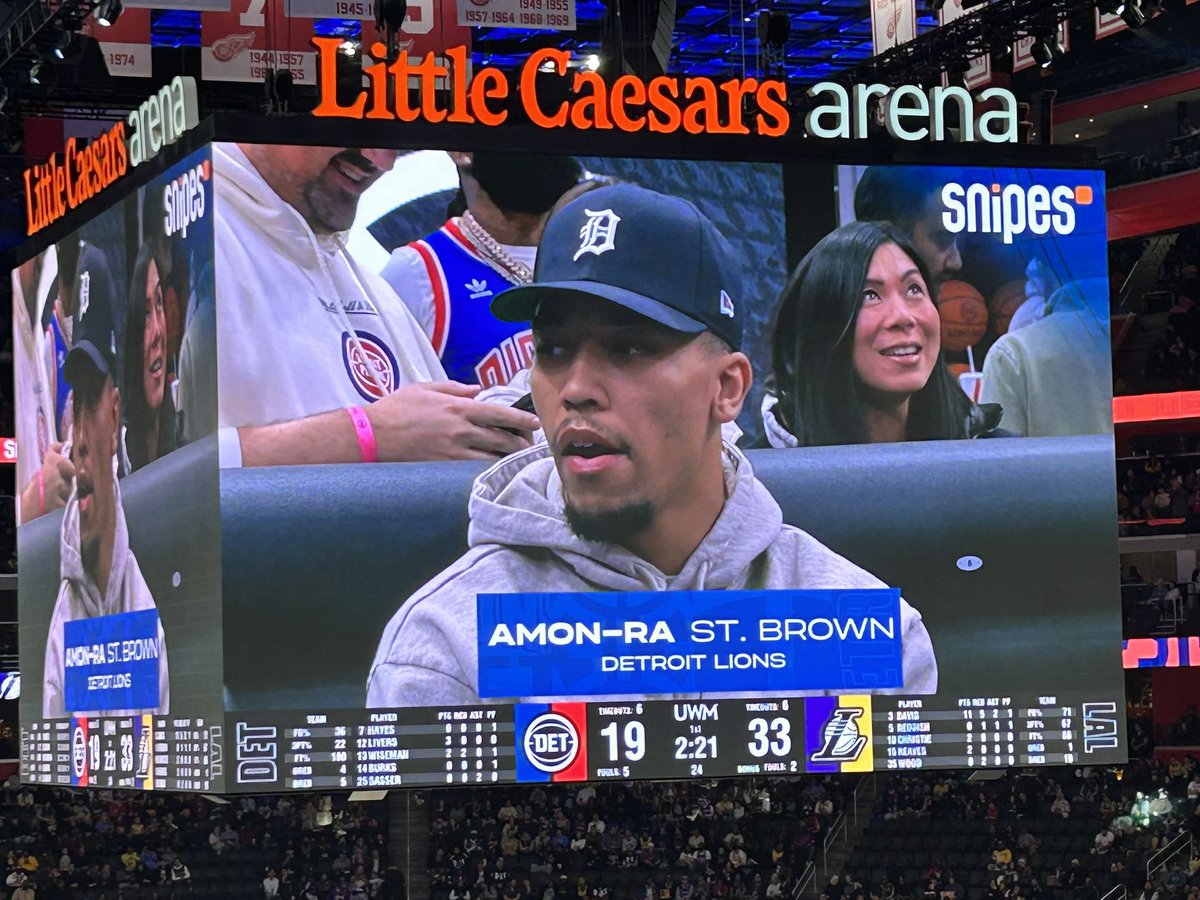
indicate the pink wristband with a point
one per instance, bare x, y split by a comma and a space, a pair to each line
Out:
365, 434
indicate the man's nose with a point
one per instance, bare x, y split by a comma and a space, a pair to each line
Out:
583, 385
953, 259
383, 159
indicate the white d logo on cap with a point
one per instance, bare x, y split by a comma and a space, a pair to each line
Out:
596, 235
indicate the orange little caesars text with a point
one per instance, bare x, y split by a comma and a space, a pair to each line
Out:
62, 183
664, 105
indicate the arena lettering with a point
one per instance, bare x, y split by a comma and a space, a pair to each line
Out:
60, 184
847, 114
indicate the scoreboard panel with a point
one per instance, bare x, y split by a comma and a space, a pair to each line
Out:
610, 741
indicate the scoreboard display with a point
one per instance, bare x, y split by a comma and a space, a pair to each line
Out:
647, 740
786, 553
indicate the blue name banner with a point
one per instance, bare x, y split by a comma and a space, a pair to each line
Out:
688, 642
111, 662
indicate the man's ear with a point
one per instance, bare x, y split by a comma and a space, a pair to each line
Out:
734, 380
116, 420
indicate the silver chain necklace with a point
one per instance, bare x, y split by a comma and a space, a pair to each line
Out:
493, 254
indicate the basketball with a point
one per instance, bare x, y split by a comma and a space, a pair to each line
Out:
964, 315
956, 369
1006, 300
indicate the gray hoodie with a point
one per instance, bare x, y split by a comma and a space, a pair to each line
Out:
519, 541
79, 597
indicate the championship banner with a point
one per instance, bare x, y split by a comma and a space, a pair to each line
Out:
256, 35
557, 15
979, 69
1023, 48
647, 643
1108, 24
125, 44
252, 37
203, 5
893, 22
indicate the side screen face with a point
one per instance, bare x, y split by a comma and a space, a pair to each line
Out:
830, 534
119, 583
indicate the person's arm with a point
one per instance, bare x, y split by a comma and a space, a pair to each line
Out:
1004, 382
435, 421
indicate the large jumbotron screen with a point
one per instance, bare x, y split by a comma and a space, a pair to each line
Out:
794, 499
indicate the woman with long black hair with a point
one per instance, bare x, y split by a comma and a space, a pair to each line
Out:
856, 350
147, 397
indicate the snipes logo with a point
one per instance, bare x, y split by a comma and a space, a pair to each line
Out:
1012, 210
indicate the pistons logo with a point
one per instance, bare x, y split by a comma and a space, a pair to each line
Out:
370, 364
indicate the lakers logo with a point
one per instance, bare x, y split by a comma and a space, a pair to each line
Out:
369, 363
841, 740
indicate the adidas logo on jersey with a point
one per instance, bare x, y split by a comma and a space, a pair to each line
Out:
477, 289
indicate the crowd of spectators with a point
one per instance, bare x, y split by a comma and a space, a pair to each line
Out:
104, 845
1180, 154
743, 840
1051, 834
1158, 488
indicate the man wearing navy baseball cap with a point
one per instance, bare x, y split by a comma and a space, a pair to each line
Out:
100, 576
636, 311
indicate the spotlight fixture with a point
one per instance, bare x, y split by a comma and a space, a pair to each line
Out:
62, 44
1132, 15
348, 47
1043, 50
109, 11
1112, 7
590, 63
35, 72
779, 29
3, 96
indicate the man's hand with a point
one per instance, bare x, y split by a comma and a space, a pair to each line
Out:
57, 475
442, 420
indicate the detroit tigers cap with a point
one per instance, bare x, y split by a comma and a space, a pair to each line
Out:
95, 332
651, 253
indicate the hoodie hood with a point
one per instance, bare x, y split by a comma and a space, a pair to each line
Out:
284, 231
86, 599
519, 504
777, 436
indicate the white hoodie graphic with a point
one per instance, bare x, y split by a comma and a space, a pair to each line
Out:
519, 540
301, 329
79, 597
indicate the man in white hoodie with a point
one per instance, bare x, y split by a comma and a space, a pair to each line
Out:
637, 367
319, 360
100, 576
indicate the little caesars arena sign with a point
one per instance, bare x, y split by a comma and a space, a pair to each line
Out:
663, 105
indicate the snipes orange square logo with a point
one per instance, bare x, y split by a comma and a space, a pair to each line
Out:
1083, 195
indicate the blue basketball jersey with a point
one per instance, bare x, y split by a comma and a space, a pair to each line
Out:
475, 347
